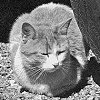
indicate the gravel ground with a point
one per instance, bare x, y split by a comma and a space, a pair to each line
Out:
10, 89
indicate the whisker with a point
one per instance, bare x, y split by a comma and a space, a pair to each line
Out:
32, 67
66, 66
64, 69
44, 74
35, 72
39, 76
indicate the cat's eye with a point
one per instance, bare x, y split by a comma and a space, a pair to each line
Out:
59, 52
45, 54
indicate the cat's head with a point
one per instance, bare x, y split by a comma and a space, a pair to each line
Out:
44, 39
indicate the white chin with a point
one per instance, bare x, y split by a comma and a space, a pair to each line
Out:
48, 67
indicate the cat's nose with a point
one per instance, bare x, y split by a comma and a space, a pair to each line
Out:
55, 66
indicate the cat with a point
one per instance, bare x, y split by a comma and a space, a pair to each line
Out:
47, 51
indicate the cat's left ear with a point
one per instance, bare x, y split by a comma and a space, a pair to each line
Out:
63, 27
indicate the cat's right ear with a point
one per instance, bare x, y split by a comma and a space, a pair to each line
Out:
28, 32
63, 28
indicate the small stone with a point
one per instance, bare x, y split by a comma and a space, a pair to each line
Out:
90, 98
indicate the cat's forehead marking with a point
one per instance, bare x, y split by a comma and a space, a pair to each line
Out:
45, 31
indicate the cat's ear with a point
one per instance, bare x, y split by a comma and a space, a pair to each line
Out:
28, 31
63, 27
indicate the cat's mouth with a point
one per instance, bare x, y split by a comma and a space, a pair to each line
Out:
51, 66
48, 67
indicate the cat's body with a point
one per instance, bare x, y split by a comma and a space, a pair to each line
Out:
42, 60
